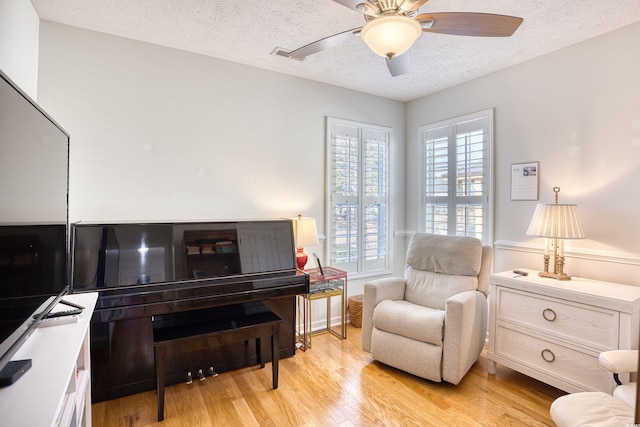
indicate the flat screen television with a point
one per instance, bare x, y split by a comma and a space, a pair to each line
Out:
34, 153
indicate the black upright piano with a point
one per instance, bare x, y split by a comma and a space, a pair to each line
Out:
167, 273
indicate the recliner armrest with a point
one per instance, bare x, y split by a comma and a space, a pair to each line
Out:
388, 288
375, 291
465, 333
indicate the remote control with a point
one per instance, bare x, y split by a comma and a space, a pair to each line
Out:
53, 321
63, 313
520, 272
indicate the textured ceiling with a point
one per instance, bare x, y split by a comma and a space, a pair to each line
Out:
247, 32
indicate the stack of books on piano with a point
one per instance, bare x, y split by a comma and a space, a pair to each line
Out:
225, 247
193, 249
207, 248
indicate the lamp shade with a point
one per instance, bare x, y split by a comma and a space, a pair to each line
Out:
390, 36
556, 221
305, 231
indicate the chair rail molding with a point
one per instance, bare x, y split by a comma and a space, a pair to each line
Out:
403, 233
589, 254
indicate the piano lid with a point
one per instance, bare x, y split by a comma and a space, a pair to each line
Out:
106, 256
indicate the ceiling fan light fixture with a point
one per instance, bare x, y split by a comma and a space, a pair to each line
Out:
391, 35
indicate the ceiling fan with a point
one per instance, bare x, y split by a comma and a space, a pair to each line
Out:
392, 26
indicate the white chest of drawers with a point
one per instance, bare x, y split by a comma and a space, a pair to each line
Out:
554, 330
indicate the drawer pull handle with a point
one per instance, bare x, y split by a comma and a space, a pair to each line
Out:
549, 314
548, 355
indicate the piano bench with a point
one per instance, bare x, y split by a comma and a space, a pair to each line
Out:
253, 326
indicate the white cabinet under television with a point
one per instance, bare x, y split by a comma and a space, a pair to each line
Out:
56, 390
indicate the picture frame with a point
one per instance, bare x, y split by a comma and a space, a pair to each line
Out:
524, 181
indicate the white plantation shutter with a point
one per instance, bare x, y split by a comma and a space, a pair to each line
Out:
375, 199
358, 195
457, 176
345, 162
436, 180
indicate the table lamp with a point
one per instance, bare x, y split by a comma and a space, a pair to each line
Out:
557, 222
304, 233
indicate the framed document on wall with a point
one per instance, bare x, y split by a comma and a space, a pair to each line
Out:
524, 181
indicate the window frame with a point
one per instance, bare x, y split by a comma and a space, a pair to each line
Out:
361, 267
451, 125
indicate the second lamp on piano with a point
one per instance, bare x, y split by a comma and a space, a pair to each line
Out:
305, 233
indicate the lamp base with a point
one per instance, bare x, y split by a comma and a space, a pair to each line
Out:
558, 272
301, 258
557, 276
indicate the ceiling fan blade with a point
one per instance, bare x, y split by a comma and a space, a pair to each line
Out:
322, 44
471, 24
400, 64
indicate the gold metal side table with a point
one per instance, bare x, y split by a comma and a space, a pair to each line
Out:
332, 283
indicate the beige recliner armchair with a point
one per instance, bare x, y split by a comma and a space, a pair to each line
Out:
432, 323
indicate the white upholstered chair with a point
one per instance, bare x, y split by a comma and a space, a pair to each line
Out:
432, 322
598, 409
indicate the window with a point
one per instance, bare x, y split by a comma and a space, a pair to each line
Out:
358, 174
457, 176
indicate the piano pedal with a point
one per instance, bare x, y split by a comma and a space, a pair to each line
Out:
189, 378
201, 375
212, 373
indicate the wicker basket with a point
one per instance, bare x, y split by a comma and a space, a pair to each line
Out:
355, 310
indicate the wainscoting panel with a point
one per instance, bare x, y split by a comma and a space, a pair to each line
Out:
596, 264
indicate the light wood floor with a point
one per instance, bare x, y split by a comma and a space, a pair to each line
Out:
335, 383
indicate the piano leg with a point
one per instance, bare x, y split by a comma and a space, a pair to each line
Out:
159, 356
275, 353
259, 352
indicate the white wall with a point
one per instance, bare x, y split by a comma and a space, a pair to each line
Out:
19, 25
155, 132
158, 134
577, 112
